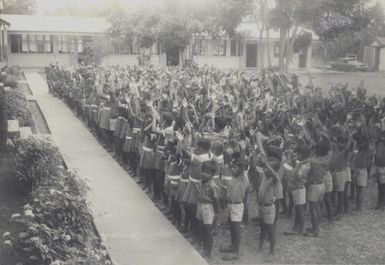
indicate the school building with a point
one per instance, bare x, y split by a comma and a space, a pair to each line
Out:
37, 41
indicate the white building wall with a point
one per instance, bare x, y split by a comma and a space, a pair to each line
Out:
369, 56
40, 59
131, 59
222, 62
382, 60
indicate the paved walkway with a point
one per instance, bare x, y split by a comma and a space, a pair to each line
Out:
134, 230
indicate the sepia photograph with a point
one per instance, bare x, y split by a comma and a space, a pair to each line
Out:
192, 132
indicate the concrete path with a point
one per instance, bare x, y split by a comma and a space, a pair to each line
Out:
133, 229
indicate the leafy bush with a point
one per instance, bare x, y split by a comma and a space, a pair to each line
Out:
3, 120
13, 70
57, 225
10, 81
17, 107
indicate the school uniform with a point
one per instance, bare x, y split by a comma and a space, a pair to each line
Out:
297, 182
183, 183
195, 179
339, 169
235, 196
207, 195
319, 180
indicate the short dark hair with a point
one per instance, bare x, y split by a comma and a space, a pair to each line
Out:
322, 148
209, 167
204, 144
303, 151
168, 118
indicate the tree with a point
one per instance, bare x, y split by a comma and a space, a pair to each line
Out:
342, 25
22, 7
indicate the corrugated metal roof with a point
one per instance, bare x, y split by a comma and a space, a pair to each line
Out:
83, 25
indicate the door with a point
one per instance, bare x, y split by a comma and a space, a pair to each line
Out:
302, 58
251, 55
173, 57
376, 59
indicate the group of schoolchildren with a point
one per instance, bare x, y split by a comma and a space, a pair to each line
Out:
203, 140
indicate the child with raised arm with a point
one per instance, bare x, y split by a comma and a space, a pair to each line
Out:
208, 205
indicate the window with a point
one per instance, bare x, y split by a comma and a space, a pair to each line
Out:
198, 47
24, 43
40, 43
72, 45
209, 47
80, 46
276, 48
15, 40
222, 47
32, 43
48, 43
63, 44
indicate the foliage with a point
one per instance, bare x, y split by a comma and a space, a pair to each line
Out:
32, 159
13, 70
3, 120
176, 22
302, 41
10, 81
231, 14
94, 54
17, 107
56, 226
21, 7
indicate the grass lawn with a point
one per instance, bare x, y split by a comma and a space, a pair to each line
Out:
12, 199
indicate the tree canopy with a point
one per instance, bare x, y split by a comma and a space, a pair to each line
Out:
22, 7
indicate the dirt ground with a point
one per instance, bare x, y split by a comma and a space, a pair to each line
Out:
373, 82
355, 239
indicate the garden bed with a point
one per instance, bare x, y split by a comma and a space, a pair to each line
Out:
40, 125
12, 199
24, 87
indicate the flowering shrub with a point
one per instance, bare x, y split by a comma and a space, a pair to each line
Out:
17, 107
57, 227
37, 163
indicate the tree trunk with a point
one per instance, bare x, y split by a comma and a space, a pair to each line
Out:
268, 51
282, 37
261, 48
290, 45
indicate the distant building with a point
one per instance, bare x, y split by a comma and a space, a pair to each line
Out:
374, 55
36, 41
244, 52
4, 25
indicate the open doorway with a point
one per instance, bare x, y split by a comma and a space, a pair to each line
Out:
173, 57
251, 55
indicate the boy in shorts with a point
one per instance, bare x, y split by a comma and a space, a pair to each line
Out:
235, 196
297, 189
208, 205
267, 193
318, 175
